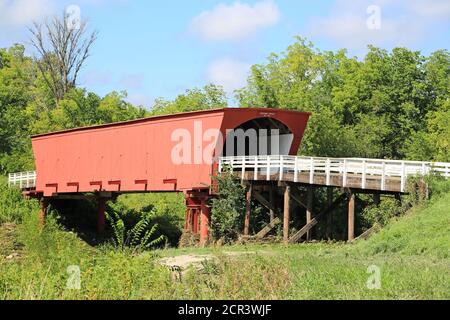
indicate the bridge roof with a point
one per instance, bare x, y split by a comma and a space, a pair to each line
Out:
168, 116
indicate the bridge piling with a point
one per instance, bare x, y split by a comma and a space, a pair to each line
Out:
272, 202
101, 217
287, 198
309, 210
329, 228
248, 209
351, 216
43, 203
204, 222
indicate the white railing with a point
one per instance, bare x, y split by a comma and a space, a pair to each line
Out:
365, 169
22, 180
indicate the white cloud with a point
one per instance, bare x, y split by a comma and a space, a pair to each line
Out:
18, 13
236, 21
432, 9
229, 73
403, 23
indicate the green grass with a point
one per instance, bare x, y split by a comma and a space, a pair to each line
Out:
423, 231
412, 254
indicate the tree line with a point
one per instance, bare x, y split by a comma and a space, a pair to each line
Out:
388, 104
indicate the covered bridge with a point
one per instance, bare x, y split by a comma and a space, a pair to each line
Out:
182, 152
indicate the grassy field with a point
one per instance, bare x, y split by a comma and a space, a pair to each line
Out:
411, 256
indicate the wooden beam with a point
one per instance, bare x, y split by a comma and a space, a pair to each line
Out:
329, 232
260, 198
376, 199
298, 200
42, 211
366, 234
309, 209
351, 217
205, 222
268, 228
248, 209
101, 217
271, 204
287, 197
296, 237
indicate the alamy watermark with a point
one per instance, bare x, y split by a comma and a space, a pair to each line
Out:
374, 280
74, 279
373, 22
199, 146
73, 17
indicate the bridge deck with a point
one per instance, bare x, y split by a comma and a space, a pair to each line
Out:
370, 174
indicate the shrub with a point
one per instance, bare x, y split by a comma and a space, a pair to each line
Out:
13, 206
228, 210
140, 234
381, 214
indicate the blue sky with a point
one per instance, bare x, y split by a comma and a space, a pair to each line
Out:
161, 48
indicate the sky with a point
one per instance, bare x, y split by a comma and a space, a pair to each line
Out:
156, 49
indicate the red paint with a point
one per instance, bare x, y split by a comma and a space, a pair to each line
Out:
136, 156
204, 222
195, 229
139, 150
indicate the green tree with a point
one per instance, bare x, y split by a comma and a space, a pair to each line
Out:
208, 97
16, 76
228, 209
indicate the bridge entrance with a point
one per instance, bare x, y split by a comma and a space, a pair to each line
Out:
261, 136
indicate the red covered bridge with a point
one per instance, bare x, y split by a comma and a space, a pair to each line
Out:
177, 153
182, 152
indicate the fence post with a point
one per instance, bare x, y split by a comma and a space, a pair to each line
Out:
403, 177
311, 171
243, 170
363, 181
296, 169
328, 172
255, 173
344, 178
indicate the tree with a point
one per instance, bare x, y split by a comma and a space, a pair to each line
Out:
208, 97
62, 49
228, 209
16, 76
360, 108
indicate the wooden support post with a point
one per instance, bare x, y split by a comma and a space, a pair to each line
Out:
248, 209
296, 237
330, 216
272, 204
376, 199
43, 211
204, 223
195, 221
287, 198
187, 221
268, 228
309, 210
101, 218
351, 217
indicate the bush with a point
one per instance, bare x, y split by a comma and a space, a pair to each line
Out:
228, 210
13, 206
381, 214
133, 229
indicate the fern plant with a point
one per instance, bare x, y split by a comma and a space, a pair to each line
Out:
141, 236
